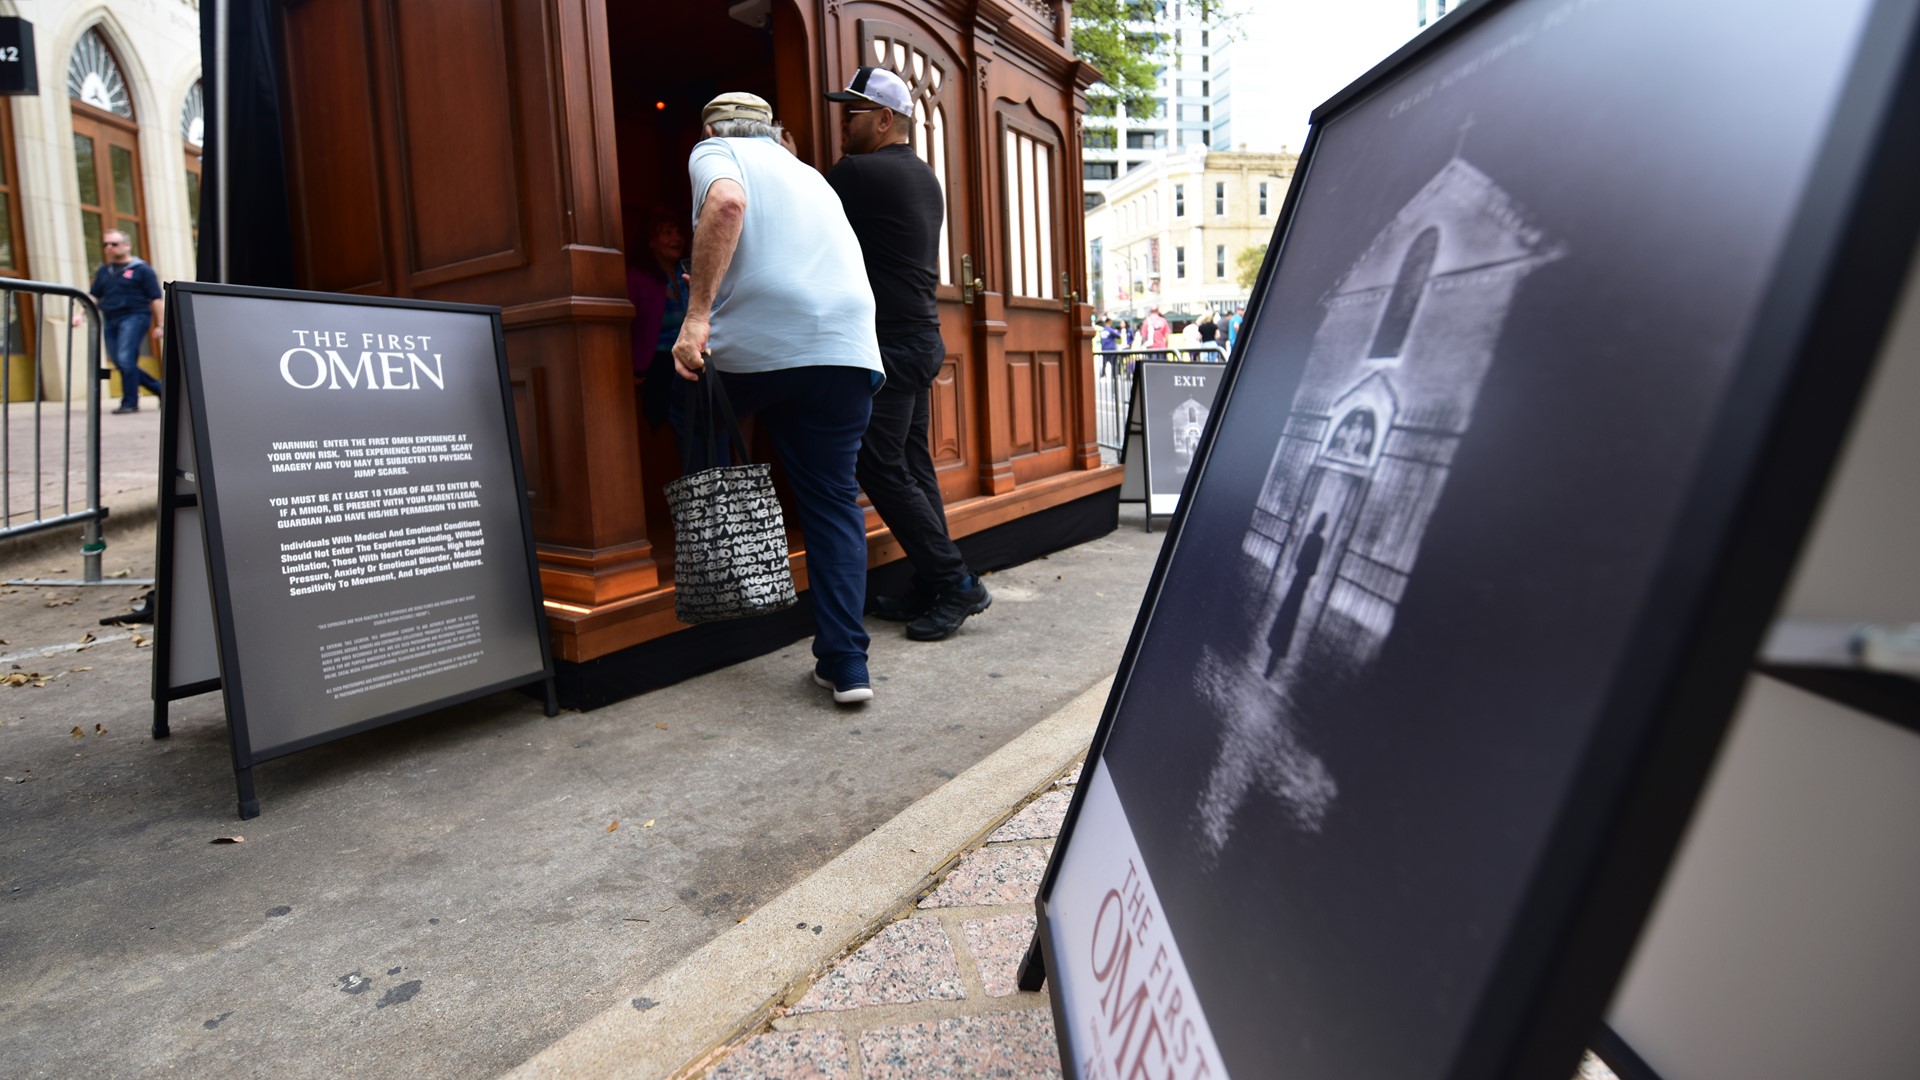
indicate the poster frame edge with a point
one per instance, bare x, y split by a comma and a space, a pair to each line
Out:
1536, 1032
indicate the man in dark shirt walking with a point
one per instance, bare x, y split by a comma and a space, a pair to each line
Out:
129, 295
895, 205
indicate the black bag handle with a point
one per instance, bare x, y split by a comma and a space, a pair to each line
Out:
710, 409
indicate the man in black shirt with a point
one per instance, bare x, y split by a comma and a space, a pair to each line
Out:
894, 203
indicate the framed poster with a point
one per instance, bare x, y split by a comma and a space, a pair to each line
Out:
349, 469
1567, 311
1172, 401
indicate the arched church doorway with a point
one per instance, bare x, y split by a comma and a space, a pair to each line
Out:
17, 314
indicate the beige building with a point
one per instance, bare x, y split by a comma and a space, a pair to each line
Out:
112, 141
1169, 234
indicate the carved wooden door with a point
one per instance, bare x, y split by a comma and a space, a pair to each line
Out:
1035, 277
903, 40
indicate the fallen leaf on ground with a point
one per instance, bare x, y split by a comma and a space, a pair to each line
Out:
139, 641
77, 733
42, 682
99, 729
125, 571
662, 727
15, 679
228, 840
648, 824
84, 638
615, 825
89, 667
63, 602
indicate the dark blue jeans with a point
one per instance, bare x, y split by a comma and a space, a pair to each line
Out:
124, 333
816, 416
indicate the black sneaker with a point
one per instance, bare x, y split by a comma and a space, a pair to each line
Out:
905, 607
125, 409
947, 613
846, 677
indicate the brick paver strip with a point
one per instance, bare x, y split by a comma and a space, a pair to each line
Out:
910, 961
994, 875
1009, 1046
1039, 821
788, 1055
997, 946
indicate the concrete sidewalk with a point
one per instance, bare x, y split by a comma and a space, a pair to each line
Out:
729, 877
453, 894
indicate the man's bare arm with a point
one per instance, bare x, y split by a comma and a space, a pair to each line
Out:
715, 239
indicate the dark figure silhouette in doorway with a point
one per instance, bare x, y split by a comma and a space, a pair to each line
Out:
1305, 565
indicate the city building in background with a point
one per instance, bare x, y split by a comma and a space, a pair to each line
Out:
1171, 233
1191, 106
112, 141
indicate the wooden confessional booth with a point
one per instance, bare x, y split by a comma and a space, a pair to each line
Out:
510, 151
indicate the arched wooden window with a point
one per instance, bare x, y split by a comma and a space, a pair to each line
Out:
897, 50
1405, 299
193, 134
106, 150
1028, 163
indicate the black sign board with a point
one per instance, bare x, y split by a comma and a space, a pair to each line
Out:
346, 514
1170, 406
19, 71
1566, 315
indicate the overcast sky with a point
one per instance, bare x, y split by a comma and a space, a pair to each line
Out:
1294, 54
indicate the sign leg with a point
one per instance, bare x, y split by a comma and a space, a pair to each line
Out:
1033, 967
553, 698
160, 728
249, 803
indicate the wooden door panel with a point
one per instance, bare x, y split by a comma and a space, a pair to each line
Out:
1020, 393
929, 55
946, 427
333, 142
462, 182
1050, 401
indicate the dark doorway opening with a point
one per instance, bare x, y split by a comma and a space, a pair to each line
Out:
667, 61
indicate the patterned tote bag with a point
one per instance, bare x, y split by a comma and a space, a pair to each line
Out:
730, 548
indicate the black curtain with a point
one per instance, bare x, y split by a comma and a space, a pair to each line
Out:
261, 249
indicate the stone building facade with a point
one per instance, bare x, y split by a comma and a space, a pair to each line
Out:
1169, 234
112, 141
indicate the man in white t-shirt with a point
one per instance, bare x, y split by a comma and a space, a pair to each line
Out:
778, 303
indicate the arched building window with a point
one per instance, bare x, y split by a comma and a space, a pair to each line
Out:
193, 133
106, 149
924, 72
1405, 299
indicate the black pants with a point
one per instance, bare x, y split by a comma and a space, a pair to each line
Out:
896, 467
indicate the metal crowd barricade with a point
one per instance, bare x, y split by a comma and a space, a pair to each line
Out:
1113, 385
37, 478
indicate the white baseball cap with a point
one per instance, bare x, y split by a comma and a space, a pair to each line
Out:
880, 86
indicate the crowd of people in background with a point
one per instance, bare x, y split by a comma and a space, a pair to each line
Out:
1208, 338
